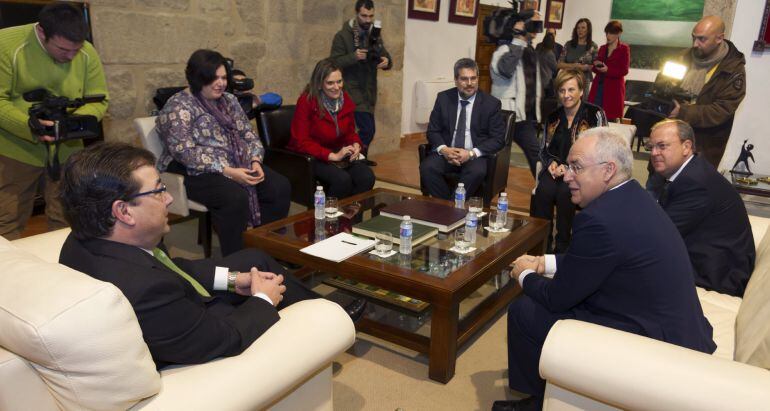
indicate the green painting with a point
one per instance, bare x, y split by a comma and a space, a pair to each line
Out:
657, 30
662, 10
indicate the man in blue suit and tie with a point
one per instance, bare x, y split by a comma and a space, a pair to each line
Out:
465, 127
626, 268
705, 208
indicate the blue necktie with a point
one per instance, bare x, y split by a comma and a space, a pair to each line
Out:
459, 140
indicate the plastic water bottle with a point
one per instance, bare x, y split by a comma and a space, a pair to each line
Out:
319, 200
502, 207
406, 236
460, 196
471, 222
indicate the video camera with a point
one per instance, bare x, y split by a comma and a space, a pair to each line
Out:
666, 89
373, 43
67, 126
498, 26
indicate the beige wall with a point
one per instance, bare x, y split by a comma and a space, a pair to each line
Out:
144, 44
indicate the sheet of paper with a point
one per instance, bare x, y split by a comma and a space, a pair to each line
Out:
339, 247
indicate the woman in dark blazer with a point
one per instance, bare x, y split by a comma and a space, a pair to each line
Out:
561, 130
608, 90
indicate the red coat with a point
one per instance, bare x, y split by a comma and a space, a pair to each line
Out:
318, 136
614, 80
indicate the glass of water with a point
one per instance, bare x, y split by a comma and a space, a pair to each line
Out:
497, 220
461, 242
475, 205
332, 206
383, 243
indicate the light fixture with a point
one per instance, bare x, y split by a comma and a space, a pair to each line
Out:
674, 70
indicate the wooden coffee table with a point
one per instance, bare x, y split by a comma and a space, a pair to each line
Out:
432, 273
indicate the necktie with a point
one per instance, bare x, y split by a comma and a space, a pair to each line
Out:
163, 258
459, 140
663, 195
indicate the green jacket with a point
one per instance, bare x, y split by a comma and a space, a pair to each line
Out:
360, 77
25, 66
712, 115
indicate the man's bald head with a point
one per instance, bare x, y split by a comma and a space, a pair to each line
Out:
707, 36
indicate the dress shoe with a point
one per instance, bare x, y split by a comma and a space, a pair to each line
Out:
356, 309
370, 163
527, 404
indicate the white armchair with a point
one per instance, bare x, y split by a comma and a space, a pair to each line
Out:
69, 341
590, 367
182, 206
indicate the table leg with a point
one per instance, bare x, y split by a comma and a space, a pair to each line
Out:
443, 342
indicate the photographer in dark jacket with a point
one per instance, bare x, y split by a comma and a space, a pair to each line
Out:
359, 50
717, 75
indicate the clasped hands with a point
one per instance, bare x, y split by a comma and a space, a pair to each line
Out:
246, 176
557, 170
455, 156
527, 262
255, 281
351, 151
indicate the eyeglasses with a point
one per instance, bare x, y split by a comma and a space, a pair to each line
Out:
660, 146
161, 189
577, 168
468, 79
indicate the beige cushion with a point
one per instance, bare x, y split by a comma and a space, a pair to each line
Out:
752, 326
80, 334
721, 310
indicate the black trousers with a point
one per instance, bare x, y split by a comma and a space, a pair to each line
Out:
242, 261
366, 126
435, 166
528, 325
548, 193
525, 135
345, 182
228, 202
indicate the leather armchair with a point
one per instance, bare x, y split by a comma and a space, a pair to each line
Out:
274, 127
497, 165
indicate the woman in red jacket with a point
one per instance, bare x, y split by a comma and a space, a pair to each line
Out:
608, 90
323, 127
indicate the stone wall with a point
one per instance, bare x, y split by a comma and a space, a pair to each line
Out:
144, 44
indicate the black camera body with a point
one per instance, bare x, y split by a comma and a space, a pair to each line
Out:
664, 91
67, 126
373, 43
498, 26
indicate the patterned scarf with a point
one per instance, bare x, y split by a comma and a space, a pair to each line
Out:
333, 106
238, 153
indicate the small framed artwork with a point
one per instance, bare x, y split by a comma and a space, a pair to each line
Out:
424, 9
554, 14
464, 11
763, 41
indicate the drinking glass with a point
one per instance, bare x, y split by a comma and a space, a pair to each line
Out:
461, 243
383, 243
475, 205
497, 220
331, 207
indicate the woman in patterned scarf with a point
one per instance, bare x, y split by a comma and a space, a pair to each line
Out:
324, 127
208, 138
561, 130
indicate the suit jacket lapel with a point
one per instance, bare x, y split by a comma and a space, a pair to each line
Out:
453, 99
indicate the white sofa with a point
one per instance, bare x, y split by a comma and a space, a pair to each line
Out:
68, 341
590, 367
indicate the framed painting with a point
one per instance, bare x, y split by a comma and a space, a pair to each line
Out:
554, 14
464, 11
763, 42
424, 9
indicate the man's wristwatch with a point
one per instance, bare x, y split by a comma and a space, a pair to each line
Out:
471, 155
231, 276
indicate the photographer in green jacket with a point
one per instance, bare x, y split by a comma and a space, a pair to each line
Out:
52, 55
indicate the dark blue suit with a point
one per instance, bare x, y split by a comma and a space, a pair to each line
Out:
712, 220
627, 268
487, 134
